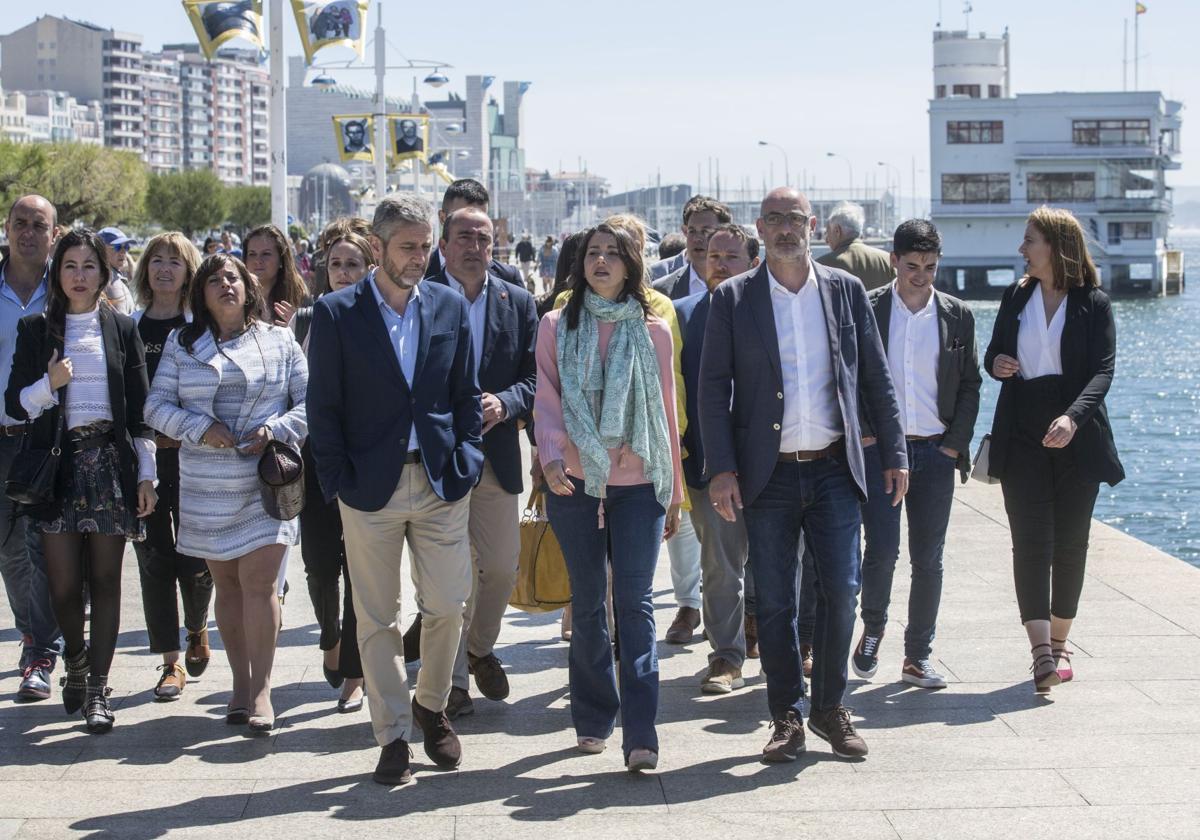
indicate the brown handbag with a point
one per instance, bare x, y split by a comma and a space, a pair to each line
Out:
542, 581
281, 480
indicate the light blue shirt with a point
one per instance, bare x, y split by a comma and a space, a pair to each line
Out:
11, 311
476, 315
404, 332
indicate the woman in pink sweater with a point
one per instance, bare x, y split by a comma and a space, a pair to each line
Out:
609, 445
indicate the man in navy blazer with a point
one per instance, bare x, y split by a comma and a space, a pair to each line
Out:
503, 319
787, 349
467, 192
395, 423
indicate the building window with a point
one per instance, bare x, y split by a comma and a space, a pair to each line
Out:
1119, 231
975, 131
1059, 187
993, 91
940, 92
966, 90
1110, 132
976, 188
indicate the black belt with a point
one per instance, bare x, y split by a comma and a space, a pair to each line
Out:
413, 456
91, 441
12, 431
923, 437
835, 448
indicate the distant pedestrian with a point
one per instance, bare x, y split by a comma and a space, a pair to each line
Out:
672, 244
526, 258
269, 257
843, 232
547, 263
117, 246
1054, 347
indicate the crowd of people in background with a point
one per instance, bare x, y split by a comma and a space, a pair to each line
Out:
770, 416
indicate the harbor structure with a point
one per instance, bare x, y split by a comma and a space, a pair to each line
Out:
995, 156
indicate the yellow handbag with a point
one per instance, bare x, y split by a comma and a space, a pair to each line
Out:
542, 582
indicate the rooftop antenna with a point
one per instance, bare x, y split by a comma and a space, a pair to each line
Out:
967, 9
939, 20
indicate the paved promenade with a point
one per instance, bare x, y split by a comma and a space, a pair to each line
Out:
1114, 754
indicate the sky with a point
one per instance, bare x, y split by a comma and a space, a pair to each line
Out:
640, 90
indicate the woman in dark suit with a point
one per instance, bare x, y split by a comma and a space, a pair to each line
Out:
82, 364
1054, 349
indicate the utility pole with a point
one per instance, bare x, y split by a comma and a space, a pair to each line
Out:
278, 120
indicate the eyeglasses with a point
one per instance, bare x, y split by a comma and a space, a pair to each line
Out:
794, 219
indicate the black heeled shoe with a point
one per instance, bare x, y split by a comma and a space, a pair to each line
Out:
334, 678
74, 682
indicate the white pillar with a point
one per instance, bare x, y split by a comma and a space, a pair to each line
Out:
278, 120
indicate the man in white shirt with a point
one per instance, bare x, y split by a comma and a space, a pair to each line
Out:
29, 228
929, 338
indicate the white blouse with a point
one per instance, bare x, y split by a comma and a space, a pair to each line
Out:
1039, 346
87, 392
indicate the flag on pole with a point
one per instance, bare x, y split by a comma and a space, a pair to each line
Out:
409, 134
354, 134
1139, 8
328, 23
218, 21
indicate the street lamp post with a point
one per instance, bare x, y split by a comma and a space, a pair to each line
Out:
787, 173
850, 167
895, 198
277, 129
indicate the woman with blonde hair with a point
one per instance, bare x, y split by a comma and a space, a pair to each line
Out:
1053, 348
162, 283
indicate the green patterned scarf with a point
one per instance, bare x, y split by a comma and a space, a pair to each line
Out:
620, 402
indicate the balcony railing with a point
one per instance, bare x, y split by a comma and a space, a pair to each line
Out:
1026, 149
1154, 204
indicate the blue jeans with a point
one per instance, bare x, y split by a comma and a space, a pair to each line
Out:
808, 598
633, 520
816, 499
930, 494
24, 571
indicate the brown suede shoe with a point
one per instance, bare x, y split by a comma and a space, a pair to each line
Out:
681, 629
171, 683
490, 678
835, 727
787, 739
751, 637
806, 659
392, 768
441, 744
198, 653
722, 677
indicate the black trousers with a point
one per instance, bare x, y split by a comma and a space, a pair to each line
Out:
162, 567
326, 572
1049, 506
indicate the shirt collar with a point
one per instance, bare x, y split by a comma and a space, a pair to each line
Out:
899, 305
458, 287
414, 296
775, 285
42, 288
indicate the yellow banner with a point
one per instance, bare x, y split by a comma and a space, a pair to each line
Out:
409, 137
330, 23
355, 136
219, 21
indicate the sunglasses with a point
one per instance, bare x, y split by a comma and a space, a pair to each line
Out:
124, 246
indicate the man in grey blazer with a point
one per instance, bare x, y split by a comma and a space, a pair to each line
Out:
929, 339
787, 350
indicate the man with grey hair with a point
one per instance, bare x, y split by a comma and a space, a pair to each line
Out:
842, 231
395, 422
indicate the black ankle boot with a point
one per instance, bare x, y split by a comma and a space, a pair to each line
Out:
74, 682
97, 712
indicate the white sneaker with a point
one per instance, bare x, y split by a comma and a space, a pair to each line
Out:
920, 672
641, 759
591, 746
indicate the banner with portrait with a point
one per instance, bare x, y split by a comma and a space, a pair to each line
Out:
330, 23
408, 137
355, 136
219, 21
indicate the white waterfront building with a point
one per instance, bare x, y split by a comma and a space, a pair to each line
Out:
995, 156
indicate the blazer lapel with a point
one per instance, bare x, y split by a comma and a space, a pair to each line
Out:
758, 290
114, 358
883, 317
832, 326
426, 314
497, 304
947, 321
368, 308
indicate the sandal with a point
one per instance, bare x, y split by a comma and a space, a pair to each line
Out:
237, 716
1059, 648
1044, 670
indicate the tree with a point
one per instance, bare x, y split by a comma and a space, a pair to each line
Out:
249, 207
186, 201
90, 184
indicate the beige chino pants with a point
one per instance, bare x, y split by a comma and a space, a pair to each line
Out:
495, 537
436, 532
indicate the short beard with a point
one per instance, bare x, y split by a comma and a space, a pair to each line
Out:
396, 275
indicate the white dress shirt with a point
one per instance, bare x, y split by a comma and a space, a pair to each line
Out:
912, 353
811, 416
1039, 346
695, 284
476, 316
404, 333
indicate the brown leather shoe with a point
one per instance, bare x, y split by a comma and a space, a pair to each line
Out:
806, 659
441, 744
459, 703
787, 739
393, 768
835, 727
751, 637
681, 629
171, 683
490, 678
198, 653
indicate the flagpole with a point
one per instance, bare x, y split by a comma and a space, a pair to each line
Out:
278, 120
1125, 54
1136, 15
380, 107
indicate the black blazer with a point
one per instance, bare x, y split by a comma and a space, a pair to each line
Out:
125, 357
692, 313
958, 378
360, 408
1089, 352
508, 369
677, 285
741, 379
